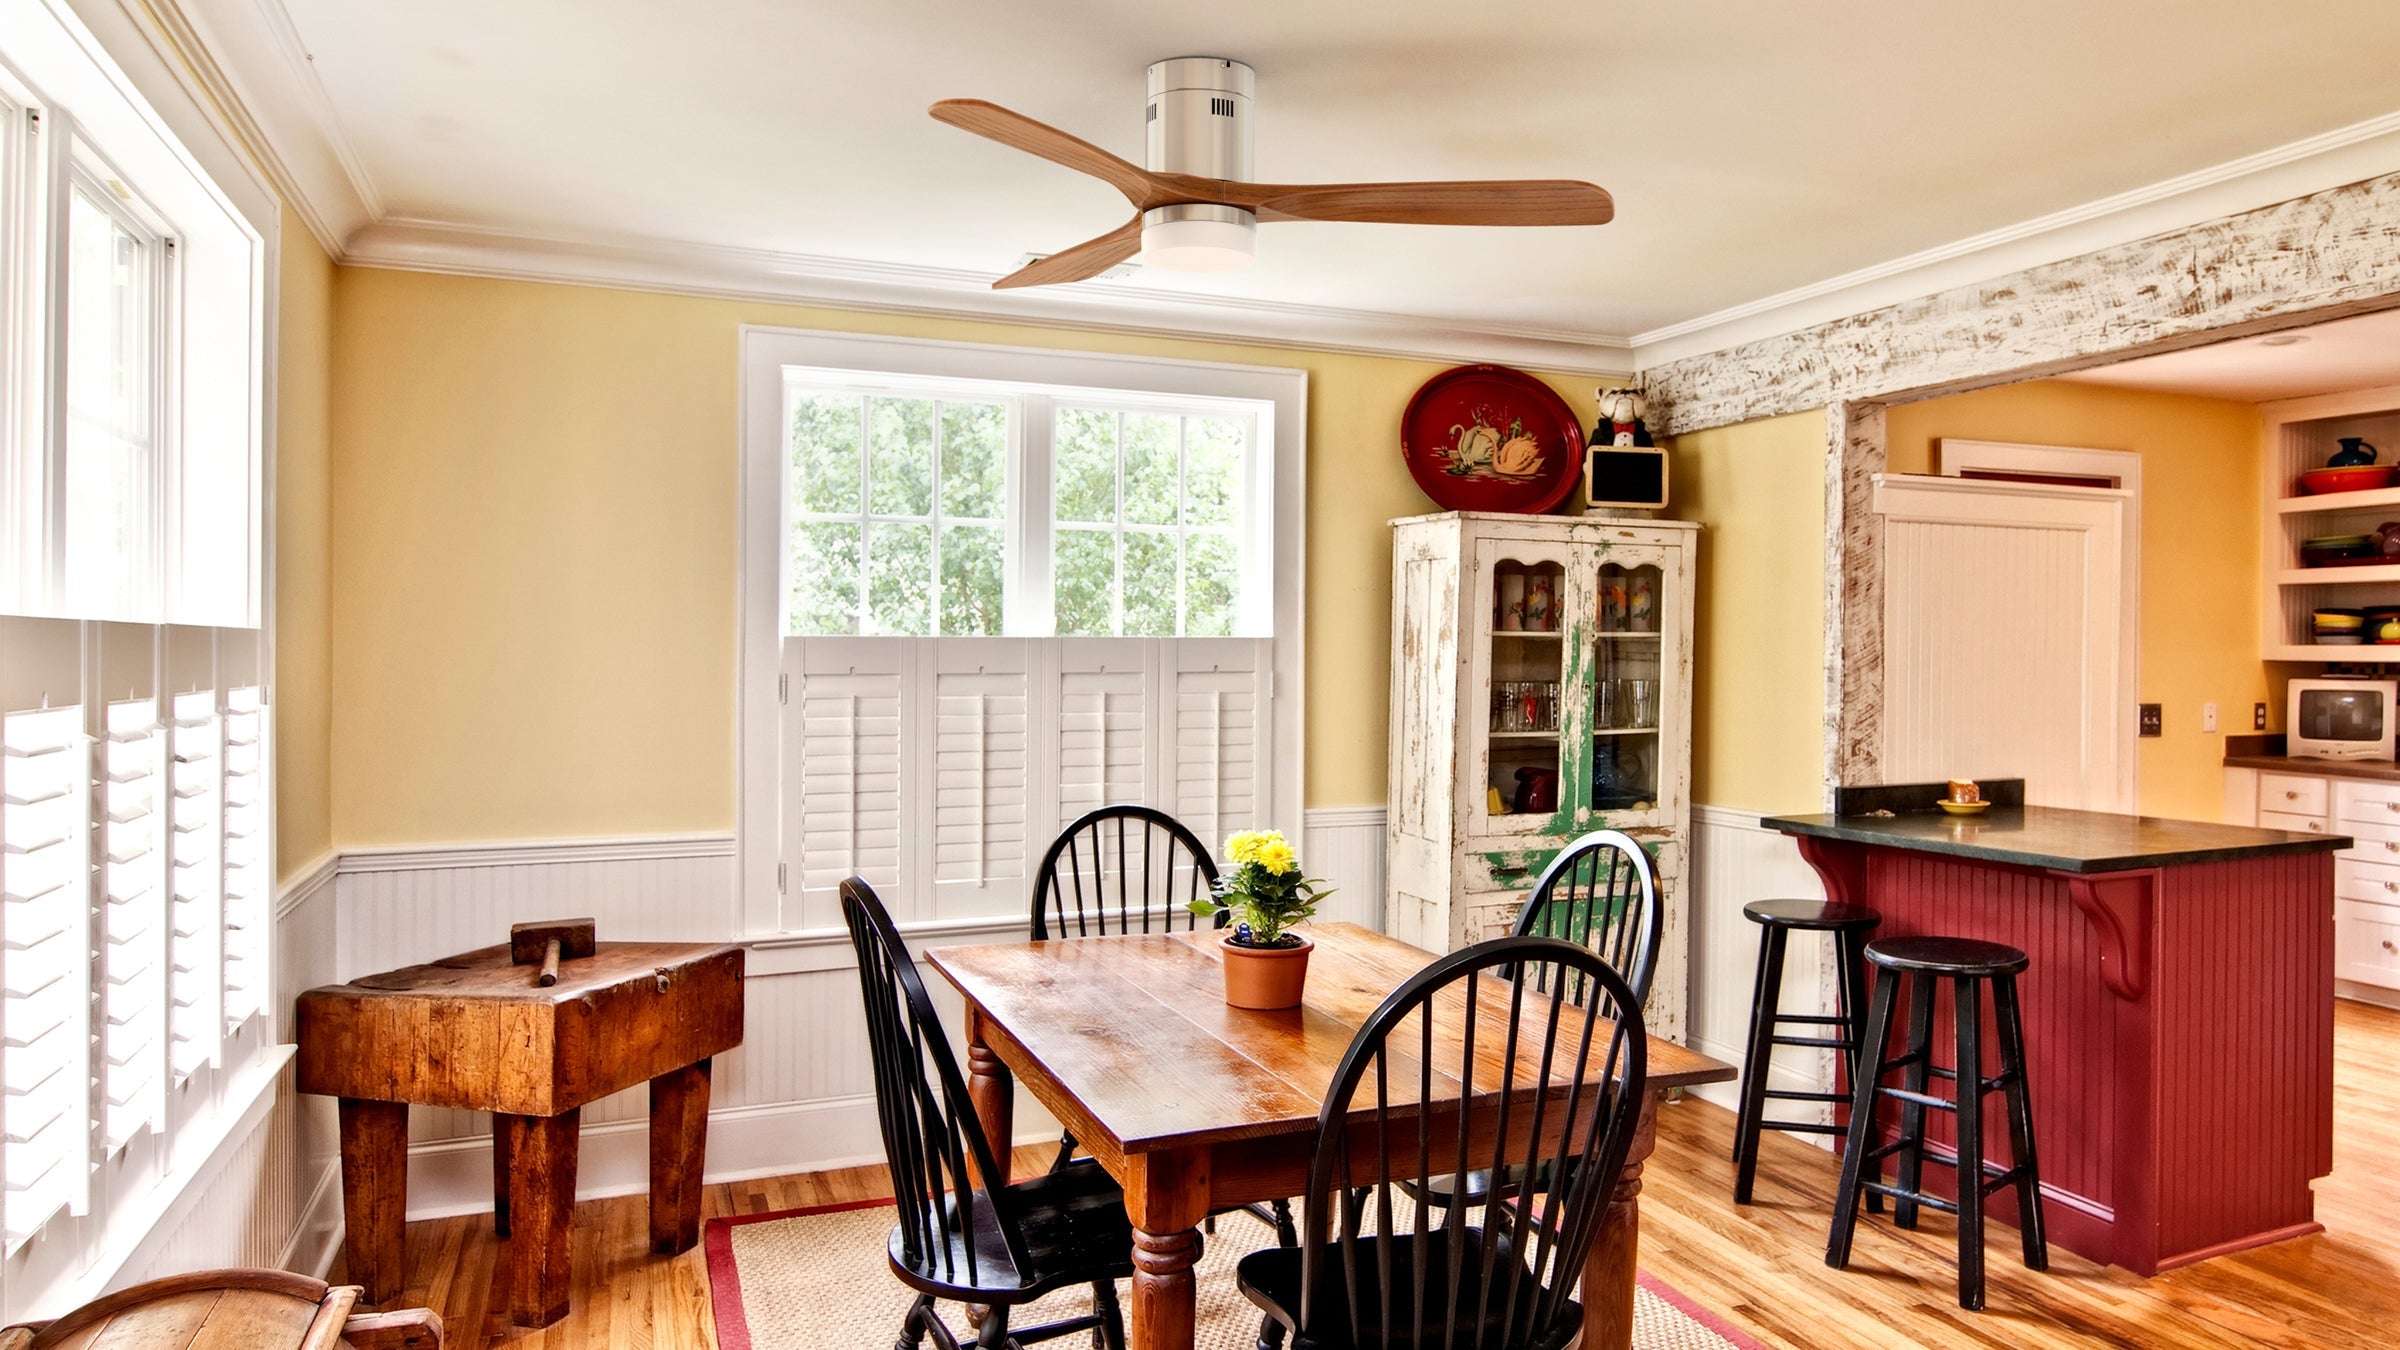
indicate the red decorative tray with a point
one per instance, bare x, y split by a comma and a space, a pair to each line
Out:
1488, 438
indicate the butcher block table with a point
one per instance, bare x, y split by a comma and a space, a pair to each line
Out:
479, 1033
1195, 1106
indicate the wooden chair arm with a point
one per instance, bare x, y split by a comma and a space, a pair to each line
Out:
19, 1337
410, 1329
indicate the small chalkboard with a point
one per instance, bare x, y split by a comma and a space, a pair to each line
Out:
1629, 476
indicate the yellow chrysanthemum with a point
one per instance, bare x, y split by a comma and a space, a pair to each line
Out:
1261, 846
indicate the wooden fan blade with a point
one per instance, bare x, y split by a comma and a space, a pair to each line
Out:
1530, 201
1087, 259
1017, 131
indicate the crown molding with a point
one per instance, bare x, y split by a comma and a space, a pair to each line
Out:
2314, 164
249, 60
722, 272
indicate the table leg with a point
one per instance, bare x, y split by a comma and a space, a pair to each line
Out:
1166, 1194
1608, 1271
374, 1194
678, 1143
541, 1194
500, 1171
993, 1090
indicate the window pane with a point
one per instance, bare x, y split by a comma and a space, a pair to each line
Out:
109, 473
900, 579
974, 451
1149, 585
1084, 562
825, 453
1083, 469
1150, 468
900, 444
1211, 579
971, 579
1212, 470
824, 577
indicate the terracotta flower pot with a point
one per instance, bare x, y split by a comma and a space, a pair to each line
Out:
1266, 978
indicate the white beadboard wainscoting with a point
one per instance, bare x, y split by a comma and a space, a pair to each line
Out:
796, 1096
1736, 861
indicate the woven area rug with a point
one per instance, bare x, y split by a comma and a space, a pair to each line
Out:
816, 1279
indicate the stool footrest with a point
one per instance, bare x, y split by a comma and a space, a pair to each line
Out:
1904, 1193
1829, 1098
1816, 1020
1919, 1098
1819, 1042
1804, 1127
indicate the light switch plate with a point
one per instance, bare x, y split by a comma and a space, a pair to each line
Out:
2208, 717
2153, 720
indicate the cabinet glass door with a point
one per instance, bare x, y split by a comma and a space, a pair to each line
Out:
1635, 713
1527, 710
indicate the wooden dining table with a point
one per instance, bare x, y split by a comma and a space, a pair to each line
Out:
1196, 1106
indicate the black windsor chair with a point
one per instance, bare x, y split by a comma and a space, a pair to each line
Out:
964, 1233
1375, 1272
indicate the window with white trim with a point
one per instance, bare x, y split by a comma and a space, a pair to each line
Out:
986, 589
135, 858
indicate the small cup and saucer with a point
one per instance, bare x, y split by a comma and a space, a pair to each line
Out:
1965, 798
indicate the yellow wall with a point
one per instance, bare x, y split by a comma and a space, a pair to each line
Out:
533, 562
303, 383
1759, 680
2199, 551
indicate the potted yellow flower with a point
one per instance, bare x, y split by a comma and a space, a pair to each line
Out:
1266, 965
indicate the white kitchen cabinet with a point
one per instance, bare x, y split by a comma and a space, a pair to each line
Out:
2366, 875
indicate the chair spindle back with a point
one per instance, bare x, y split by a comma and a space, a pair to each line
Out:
1565, 1076
1601, 892
1121, 869
931, 1137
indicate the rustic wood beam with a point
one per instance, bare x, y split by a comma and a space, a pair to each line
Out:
2298, 262
1854, 454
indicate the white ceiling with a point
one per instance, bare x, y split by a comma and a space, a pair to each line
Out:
2336, 357
1753, 146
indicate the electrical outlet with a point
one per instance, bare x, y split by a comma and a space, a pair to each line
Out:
2258, 717
2153, 720
2208, 717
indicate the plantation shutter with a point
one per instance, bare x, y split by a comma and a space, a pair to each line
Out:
195, 936
842, 746
941, 768
247, 871
1220, 777
1103, 693
132, 922
977, 768
46, 765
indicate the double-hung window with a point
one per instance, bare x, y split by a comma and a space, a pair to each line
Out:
135, 858
986, 589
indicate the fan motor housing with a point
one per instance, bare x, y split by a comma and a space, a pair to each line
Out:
1199, 117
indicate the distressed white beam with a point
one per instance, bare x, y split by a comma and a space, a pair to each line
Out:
2302, 261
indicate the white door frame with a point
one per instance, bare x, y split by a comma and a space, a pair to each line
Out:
2002, 503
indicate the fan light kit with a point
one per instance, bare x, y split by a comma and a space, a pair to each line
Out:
1195, 208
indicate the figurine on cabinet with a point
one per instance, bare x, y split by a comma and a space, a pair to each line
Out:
1621, 419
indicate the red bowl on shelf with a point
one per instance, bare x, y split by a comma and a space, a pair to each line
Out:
2348, 478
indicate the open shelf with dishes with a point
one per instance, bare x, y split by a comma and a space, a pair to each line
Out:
2331, 556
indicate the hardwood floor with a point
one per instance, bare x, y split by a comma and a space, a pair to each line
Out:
1762, 1266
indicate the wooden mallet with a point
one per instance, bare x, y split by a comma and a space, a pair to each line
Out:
547, 940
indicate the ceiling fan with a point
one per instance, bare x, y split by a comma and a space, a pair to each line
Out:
1195, 209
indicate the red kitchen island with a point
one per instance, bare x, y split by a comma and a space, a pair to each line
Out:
2178, 1010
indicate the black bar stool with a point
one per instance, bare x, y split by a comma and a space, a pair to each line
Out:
1778, 920
1967, 964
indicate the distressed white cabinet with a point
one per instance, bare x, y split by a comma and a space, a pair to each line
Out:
2330, 797
1594, 698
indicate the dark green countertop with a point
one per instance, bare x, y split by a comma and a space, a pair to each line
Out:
2060, 840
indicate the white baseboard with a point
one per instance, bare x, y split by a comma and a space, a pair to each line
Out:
317, 1237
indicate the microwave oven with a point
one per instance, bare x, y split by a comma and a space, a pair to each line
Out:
2340, 719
